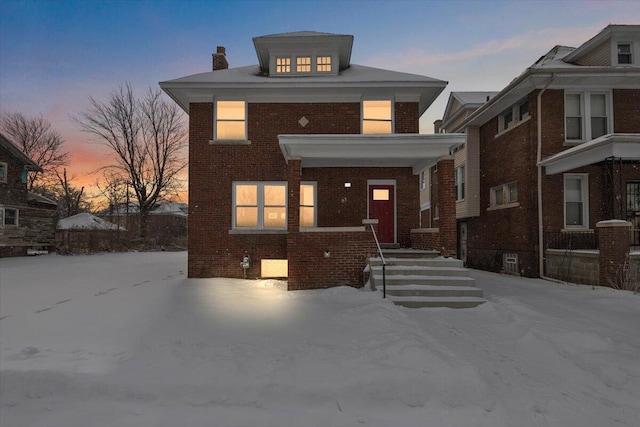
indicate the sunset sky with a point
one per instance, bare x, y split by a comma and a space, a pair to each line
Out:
56, 54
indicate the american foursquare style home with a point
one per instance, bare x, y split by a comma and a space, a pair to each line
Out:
293, 162
549, 161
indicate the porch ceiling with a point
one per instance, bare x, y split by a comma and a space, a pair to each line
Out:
625, 146
396, 150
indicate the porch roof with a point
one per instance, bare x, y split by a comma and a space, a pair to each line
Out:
625, 146
354, 150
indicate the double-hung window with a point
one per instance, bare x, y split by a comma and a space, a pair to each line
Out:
576, 200
460, 170
377, 117
8, 216
231, 123
3, 172
308, 204
504, 194
260, 205
586, 115
625, 54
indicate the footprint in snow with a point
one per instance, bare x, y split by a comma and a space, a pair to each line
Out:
44, 309
105, 292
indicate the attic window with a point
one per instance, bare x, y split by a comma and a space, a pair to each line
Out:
283, 65
624, 53
323, 64
303, 64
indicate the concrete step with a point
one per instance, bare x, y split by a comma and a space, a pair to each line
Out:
407, 279
409, 253
426, 262
450, 302
433, 291
418, 270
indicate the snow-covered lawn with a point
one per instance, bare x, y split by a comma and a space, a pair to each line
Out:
127, 340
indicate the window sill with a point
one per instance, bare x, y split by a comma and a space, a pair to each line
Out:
572, 143
502, 132
229, 142
505, 206
577, 230
256, 231
460, 201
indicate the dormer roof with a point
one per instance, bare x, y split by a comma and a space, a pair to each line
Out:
600, 49
303, 42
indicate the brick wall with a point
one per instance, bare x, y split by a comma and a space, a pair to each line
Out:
613, 238
447, 206
426, 239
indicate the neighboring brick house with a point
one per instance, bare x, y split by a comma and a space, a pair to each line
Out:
27, 220
289, 159
558, 152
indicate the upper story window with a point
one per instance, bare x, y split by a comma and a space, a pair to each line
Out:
376, 117
3, 172
586, 115
323, 64
231, 120
513, 115
625, 54
283, 65
303, 64
504, 194
8, 216
423, 180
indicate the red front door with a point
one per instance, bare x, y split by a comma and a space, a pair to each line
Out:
382, 206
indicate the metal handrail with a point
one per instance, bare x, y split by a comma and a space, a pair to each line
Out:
384, 263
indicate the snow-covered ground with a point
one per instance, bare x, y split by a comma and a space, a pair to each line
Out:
127, 340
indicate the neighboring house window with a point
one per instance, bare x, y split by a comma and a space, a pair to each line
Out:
376, 117
283, 65
9, 216
231, 120
423, 180
512, 115
260, 205
504, 194
633, 199
625, 55
576, 201
460, 183
323, 64
308, 204
586, 116
303, 64
3, 172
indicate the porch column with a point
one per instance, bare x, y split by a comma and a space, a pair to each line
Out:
294, 172
447, 206
613, 241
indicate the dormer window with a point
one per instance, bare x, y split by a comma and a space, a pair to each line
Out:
303, 64
283, 65
625, 55
323, 64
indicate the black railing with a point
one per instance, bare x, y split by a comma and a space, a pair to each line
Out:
384, 264
571, 240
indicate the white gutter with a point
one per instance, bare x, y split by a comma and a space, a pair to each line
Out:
539, 158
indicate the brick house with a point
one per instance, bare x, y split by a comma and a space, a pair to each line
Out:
558, 152
27, 220
291, 161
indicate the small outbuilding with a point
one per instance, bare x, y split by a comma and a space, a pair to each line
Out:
85, 233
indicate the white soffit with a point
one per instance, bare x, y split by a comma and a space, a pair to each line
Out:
395, 150
620, 146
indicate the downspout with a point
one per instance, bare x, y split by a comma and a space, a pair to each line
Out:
539, 159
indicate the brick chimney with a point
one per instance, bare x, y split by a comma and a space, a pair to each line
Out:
436, 126
220, 59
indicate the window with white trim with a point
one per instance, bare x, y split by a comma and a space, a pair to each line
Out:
3, 172
504, 194
8, 216
576, 200
231, 123
303, 64
260, 205
423, 180
586, 115
308, 214
460, 172
323, 64
283, 64
513, 115
377, 117
625, 54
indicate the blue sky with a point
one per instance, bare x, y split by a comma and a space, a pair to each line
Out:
55, 54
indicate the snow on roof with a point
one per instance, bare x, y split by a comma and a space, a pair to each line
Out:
86, 221
474, 97
170, 208
31, 196
300, 34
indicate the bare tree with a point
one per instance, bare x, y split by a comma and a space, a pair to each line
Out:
35, 137
147, 137
71, 200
